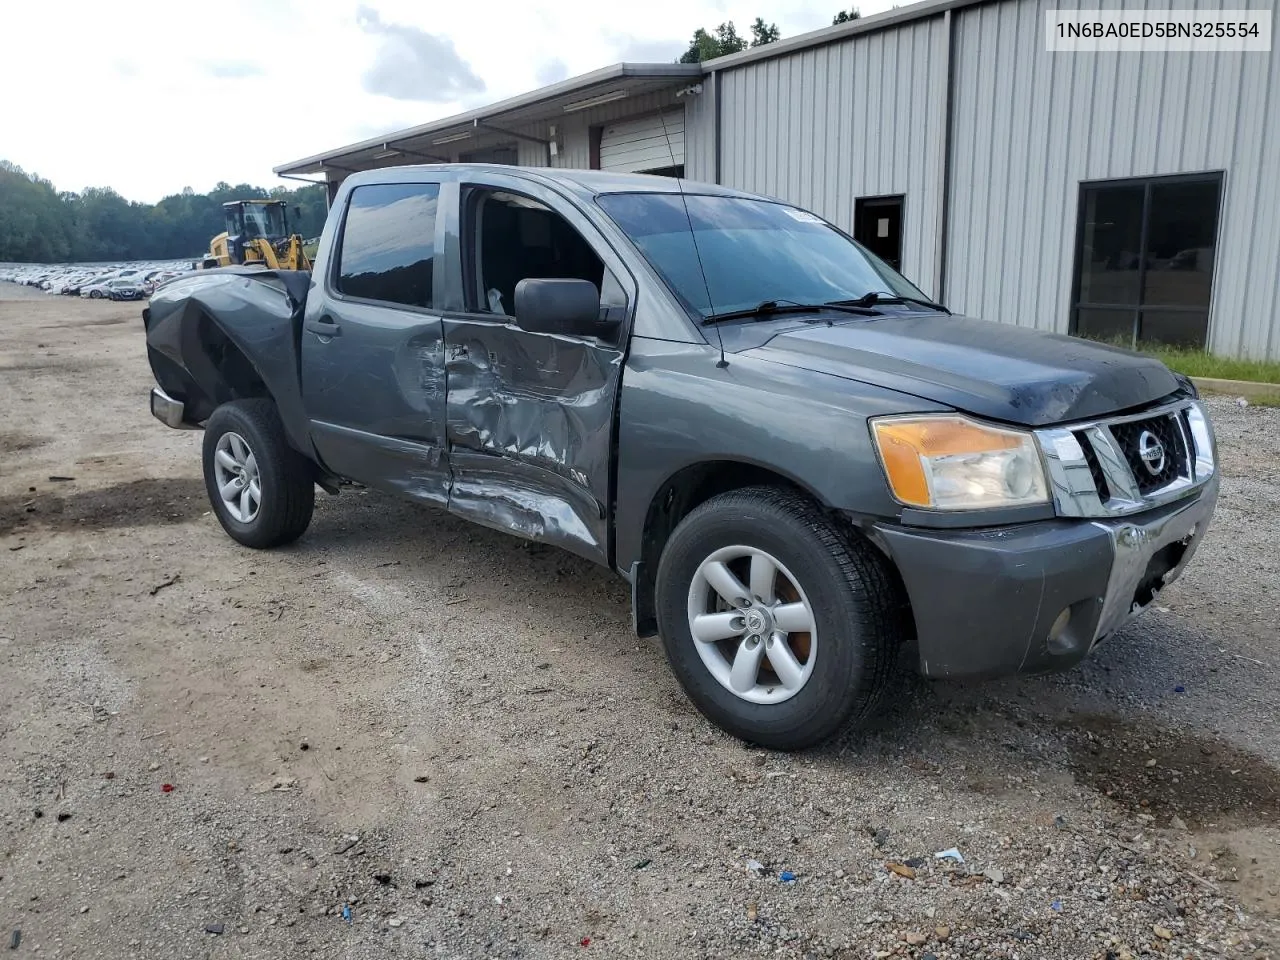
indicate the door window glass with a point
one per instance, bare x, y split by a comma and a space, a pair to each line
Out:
518, 238
1144, 266
387, 250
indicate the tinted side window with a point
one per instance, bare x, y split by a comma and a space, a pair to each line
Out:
520, 238
388, 243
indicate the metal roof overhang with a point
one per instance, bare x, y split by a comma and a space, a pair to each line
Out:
485, 126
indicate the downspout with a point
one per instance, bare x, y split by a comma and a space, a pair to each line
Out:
715, 136
944, 213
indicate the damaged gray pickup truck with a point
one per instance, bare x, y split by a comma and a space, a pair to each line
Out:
803, 467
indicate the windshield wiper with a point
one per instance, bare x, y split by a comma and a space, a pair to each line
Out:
876, 296
767, 308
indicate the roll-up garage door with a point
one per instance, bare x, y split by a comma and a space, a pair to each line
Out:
637, 146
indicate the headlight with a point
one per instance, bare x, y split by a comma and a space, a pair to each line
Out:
954, 463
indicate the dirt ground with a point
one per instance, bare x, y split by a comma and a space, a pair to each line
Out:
451, 737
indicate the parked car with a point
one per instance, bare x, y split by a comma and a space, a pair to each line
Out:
125, 289
802, 465
97, 289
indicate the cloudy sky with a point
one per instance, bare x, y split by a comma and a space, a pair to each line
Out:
150, 96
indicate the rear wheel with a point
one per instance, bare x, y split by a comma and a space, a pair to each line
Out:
95, 294
780, 627
262, 490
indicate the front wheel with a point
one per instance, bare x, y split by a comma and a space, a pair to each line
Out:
262, 490
780, 627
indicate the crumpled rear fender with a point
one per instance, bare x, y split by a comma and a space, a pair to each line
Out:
259, 312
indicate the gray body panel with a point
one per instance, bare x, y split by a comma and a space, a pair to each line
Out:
678, 409
529, 416
374, 390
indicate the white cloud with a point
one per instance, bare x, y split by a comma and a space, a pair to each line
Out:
412, 64
168, 94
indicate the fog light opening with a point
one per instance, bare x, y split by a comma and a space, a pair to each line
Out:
1057, 640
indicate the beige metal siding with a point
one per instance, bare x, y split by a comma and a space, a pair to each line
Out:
699, 140
821, 127
575, 144
1030, 126
643, 143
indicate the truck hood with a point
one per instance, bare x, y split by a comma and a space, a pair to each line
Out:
990, 369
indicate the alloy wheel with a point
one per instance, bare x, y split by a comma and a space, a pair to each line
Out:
752, 625
235, 470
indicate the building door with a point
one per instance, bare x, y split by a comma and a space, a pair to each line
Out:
877, 225
652, 144
1144, 259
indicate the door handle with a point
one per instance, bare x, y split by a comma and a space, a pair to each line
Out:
324, 327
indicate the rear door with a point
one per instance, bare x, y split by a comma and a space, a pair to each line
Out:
373, 344
530, 415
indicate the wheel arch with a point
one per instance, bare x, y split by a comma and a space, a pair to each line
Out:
678, 495
231, 334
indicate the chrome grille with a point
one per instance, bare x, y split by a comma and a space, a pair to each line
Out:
1161, 434
1095, 468
1098, 469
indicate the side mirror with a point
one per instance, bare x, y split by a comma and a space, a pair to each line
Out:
569, 307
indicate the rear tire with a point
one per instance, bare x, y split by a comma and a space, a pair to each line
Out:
839, 617
246, 453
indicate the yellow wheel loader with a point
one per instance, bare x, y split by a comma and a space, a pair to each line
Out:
257, 233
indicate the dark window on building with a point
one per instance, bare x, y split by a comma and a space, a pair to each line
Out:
505, 154
388, 243
1144, 260
877, 225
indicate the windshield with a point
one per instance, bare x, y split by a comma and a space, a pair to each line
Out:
752, 251
261, 220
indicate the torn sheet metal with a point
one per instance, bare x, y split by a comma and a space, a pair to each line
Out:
529, 427
260, 311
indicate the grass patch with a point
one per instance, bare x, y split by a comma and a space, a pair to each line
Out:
1195, 362
1198, 363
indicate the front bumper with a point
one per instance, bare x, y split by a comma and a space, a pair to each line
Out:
169, 411
1038, 597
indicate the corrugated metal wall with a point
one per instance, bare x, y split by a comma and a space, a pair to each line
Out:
821, 127
1029, 126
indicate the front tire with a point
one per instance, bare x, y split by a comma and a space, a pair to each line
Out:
780, 627
262, 490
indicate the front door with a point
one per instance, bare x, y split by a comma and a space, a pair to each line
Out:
878, 227
373, 346
530, 415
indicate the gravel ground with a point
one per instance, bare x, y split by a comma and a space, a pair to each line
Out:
451, 736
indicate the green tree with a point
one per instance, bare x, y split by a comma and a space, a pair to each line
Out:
762, 33
705, 46
40, 225
844, 17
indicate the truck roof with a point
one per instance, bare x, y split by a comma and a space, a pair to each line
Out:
583, 182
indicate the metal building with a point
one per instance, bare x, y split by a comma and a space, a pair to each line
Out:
1117, 195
